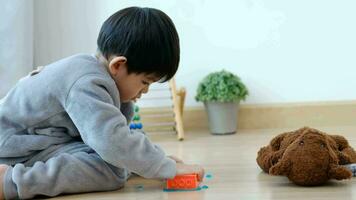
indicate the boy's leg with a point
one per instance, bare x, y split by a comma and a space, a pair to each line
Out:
70, 168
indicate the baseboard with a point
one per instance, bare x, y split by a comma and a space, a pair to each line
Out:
291, 115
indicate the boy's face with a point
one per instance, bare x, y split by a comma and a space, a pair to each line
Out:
131, 86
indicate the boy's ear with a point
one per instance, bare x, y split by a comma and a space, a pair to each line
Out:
117, 63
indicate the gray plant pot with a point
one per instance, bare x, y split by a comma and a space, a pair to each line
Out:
222, 117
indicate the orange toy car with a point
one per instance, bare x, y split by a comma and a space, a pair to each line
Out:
183, 182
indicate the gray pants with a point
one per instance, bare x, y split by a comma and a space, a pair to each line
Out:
64, 168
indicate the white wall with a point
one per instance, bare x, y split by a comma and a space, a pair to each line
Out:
285, 51
16, 41
65, 27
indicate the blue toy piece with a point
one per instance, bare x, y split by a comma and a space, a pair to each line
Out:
136, 126
139, 187
208, 176
132, 126
139, 126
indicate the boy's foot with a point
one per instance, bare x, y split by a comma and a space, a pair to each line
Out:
3, 169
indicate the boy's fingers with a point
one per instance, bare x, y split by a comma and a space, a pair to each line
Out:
178, 160
200, 172
189, 169
201, 175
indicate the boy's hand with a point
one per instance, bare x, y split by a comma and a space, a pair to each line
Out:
178, 160
190, 169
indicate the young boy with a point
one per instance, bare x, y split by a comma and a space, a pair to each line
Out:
64, 128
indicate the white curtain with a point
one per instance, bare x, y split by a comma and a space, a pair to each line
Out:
16, 41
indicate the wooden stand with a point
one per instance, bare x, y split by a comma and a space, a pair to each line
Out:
165, 119
178, 98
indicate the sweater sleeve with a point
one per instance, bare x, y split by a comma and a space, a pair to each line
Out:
127, 109
104, 128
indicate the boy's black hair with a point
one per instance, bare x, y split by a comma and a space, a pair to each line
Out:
146, 37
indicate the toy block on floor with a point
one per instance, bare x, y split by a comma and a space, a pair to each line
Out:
183, 182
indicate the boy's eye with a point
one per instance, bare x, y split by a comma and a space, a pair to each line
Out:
145, 83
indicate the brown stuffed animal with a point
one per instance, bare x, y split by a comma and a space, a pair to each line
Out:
307, 157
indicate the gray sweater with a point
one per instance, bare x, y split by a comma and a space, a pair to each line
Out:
76, 98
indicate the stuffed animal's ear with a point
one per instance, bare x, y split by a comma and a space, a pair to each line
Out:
276, 141
339, 172
341, 142
281, 168
343, 158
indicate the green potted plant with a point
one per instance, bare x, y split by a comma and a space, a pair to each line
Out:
221, 93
